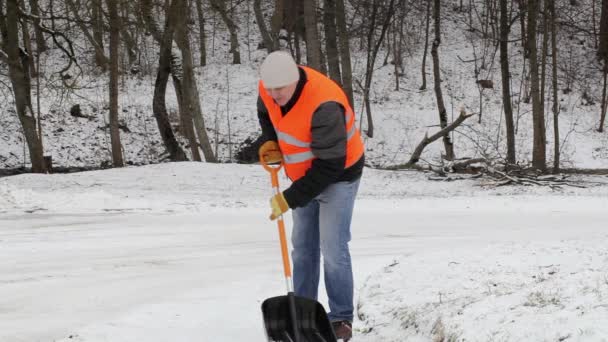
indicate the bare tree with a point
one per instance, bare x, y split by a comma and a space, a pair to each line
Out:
538, 117
202, 37
443, 116
506, 80
602, 51
40, 42
191, 100
19, 75
331, 40
100, 58
259, 18
114, 56
188, 81
602, 54
220, 7
426, 43
556, 153
313, 47
344, 46
164, 70
373, 46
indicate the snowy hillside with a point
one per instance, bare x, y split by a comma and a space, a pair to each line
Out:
228, 96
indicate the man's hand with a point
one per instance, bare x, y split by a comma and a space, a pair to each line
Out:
271, 152
278, 205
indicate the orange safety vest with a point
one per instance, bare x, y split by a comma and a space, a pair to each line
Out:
294, 128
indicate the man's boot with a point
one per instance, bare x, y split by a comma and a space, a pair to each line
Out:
343, 330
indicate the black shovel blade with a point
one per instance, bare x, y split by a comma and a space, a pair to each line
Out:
311, 320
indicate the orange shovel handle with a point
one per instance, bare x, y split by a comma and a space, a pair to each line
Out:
274, 180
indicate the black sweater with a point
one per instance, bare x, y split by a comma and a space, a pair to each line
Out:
328, 145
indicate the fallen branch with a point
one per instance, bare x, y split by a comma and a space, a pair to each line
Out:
427, 140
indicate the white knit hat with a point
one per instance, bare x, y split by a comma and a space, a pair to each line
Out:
278, 70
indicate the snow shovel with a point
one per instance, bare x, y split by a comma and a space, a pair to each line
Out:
292, 318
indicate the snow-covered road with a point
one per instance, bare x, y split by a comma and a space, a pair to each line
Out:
125, 274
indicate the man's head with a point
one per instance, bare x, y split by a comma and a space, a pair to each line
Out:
280, 76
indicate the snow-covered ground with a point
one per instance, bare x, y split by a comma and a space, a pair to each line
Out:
185, 252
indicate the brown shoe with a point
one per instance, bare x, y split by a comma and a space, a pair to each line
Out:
343, 330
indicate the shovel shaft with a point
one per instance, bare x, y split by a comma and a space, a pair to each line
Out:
282, 236
274, 180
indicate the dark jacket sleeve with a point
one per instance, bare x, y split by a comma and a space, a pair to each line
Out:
268, 132
329, 147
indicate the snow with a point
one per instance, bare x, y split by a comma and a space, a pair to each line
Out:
185, 252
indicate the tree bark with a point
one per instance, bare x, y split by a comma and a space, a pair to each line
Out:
556, 145
602, 51
426, 44
40, 42
97, 22
158, 103
372, 53
276, 23
202, 37
443, 116
344, 46
313, 47
128, 37
20, 80
191, 103
117, 160
604, 98
259, 18
538, 117
506, 80
331, 40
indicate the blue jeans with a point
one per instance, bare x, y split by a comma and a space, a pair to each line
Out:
322, 227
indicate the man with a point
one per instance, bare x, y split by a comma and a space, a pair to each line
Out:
307, 122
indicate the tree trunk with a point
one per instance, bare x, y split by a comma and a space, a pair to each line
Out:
191, 105
331, 41
259, 18
97, 22
426, 44
538, 117
544, 52
202, 37
522, 22
556, 153
40, 42
21, 83
602, 51
158, 103
506, 80
443, 116
344, 46
100, 58
372, 53
604, 98
129, 41
313, 47
220, 7
276, 23
114, 56
150, 22
27, 43
186, 112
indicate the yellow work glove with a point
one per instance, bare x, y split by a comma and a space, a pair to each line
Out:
271, 152
278, 205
